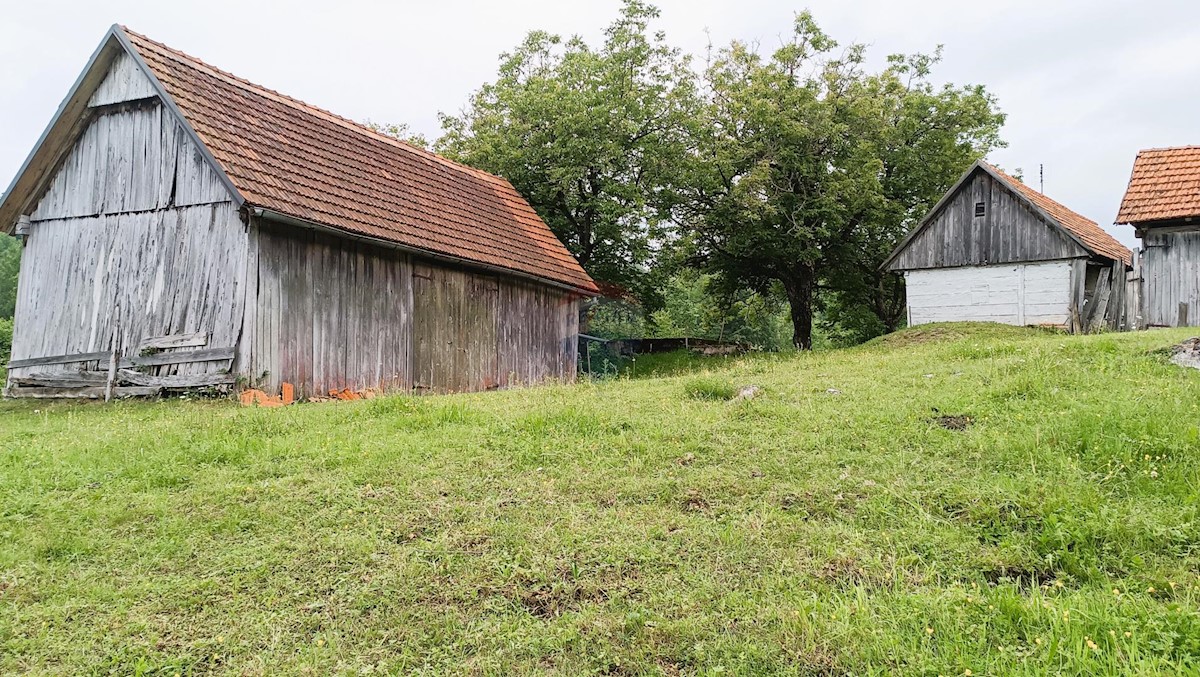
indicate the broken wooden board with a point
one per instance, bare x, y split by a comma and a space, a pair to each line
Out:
88, 393
181, 357
195, 340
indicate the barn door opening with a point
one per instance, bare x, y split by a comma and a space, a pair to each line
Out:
454, 330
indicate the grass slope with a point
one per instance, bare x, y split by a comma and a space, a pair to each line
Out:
643, 526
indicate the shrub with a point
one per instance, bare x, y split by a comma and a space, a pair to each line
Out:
6, 329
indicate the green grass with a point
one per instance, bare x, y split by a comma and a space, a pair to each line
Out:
830, 525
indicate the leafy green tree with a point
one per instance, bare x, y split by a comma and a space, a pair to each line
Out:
806, 169
10, 262
592, 136
399, 131
702, 305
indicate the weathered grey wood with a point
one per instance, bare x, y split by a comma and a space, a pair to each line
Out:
123, 82
130, 160
90, 393
333, 314
111, 381
175, 382
65, 380
158, 273
1099, 304
193, 340
1170, 267
58, 359
180, 357
1008, 232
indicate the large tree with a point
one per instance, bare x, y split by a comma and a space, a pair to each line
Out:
592, 136
806, 168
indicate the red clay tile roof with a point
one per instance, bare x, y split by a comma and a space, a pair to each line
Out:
286, 156
1093, 237
1165, 184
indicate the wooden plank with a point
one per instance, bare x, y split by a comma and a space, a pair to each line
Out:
82, 379
181, 357
175, 382
90, 393
58, 359
193, 340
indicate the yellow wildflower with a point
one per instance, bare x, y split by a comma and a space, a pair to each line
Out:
929, 631
1128, 633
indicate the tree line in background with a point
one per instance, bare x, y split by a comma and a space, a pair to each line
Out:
750, 198
762, 183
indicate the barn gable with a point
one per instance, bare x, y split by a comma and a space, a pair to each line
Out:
115, 81
1017, 225
1007, 231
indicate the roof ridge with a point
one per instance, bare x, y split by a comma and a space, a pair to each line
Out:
1026, 186
1167, 148
315, 110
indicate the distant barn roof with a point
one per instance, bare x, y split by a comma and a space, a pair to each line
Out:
1165, 185
1088, 232
1084, 232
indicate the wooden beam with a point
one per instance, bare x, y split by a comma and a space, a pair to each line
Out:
181, 357
173, 341
173, 382
59, 359
91, 393
83, 379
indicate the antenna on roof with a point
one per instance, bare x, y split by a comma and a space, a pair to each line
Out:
1041, 178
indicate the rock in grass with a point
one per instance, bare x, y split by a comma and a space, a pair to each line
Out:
1187, 353
747, 393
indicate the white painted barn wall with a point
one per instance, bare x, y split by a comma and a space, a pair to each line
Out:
1019, 294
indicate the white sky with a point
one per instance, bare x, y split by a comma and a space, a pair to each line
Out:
1085, 83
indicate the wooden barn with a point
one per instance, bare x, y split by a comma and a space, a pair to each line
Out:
1162, 203
996, 250
184, 227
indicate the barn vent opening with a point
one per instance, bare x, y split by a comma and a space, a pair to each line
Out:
978, 209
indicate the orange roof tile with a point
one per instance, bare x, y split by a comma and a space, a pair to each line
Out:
1165, 184
1093, 237
289, 157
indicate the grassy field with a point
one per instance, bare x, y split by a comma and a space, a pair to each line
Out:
955, 500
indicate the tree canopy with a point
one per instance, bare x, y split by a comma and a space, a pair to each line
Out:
593, 136
806, 168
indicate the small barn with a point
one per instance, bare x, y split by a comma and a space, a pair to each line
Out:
183, 227
993, 249
1162, 203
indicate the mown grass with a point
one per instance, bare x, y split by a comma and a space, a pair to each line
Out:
830, 525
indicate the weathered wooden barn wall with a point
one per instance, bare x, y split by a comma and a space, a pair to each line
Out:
134, 238
1171, 278
1008, 232
329, 313
371, 317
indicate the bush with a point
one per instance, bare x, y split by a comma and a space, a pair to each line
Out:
709, 388
6, 328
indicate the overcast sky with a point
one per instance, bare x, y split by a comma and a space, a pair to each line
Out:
1085, 83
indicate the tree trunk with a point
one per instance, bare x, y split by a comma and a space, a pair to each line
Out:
800, 301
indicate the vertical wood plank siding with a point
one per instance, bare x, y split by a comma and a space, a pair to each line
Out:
1008, 232
334, 313
1171, 278
107, 282
123, 82
134, 237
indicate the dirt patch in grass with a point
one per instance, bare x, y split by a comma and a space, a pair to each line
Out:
953, 421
